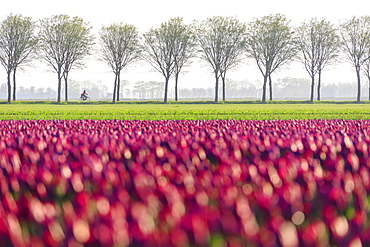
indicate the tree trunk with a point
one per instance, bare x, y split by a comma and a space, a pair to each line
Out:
115, 88
223, 77
358, 83
216, 87
118, 84
9, 87
319, 87
368, 78
59, 86
265, 77
312, 87
270, 86
66, 87
14, 84
176, 83
167, 78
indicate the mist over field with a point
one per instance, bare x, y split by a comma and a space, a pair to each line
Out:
285, 89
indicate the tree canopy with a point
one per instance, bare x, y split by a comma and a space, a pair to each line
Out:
184, 48
319, 44
65, 42
222, 41
168, 48
355, 43
271, 43
18, 43
120, 46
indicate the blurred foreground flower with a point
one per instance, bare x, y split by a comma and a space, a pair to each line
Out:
184, 183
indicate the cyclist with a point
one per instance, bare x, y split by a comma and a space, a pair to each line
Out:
84, 95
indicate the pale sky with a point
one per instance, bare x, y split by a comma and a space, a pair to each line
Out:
151, 13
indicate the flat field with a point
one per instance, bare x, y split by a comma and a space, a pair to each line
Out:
183, 111
184, 183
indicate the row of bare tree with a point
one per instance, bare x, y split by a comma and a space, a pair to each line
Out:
64, 42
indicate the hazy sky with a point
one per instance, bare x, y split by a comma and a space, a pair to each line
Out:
151, 13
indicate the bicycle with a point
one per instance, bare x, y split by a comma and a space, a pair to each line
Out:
84, 97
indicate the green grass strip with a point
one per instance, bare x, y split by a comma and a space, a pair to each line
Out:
187, 111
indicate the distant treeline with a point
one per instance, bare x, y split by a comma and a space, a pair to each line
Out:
285, 89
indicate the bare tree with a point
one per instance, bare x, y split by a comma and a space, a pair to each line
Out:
17, 45
366, 71
160, 45
79, 43
329, 47
120, 46
271, 43
319, 43
307, 35
233, 49
355, 34
65, 42
184, 47
53, 45
222, 41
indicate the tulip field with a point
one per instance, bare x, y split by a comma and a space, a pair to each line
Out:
183, 111
184, 183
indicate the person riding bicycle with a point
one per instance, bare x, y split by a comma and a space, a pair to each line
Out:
84, 95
